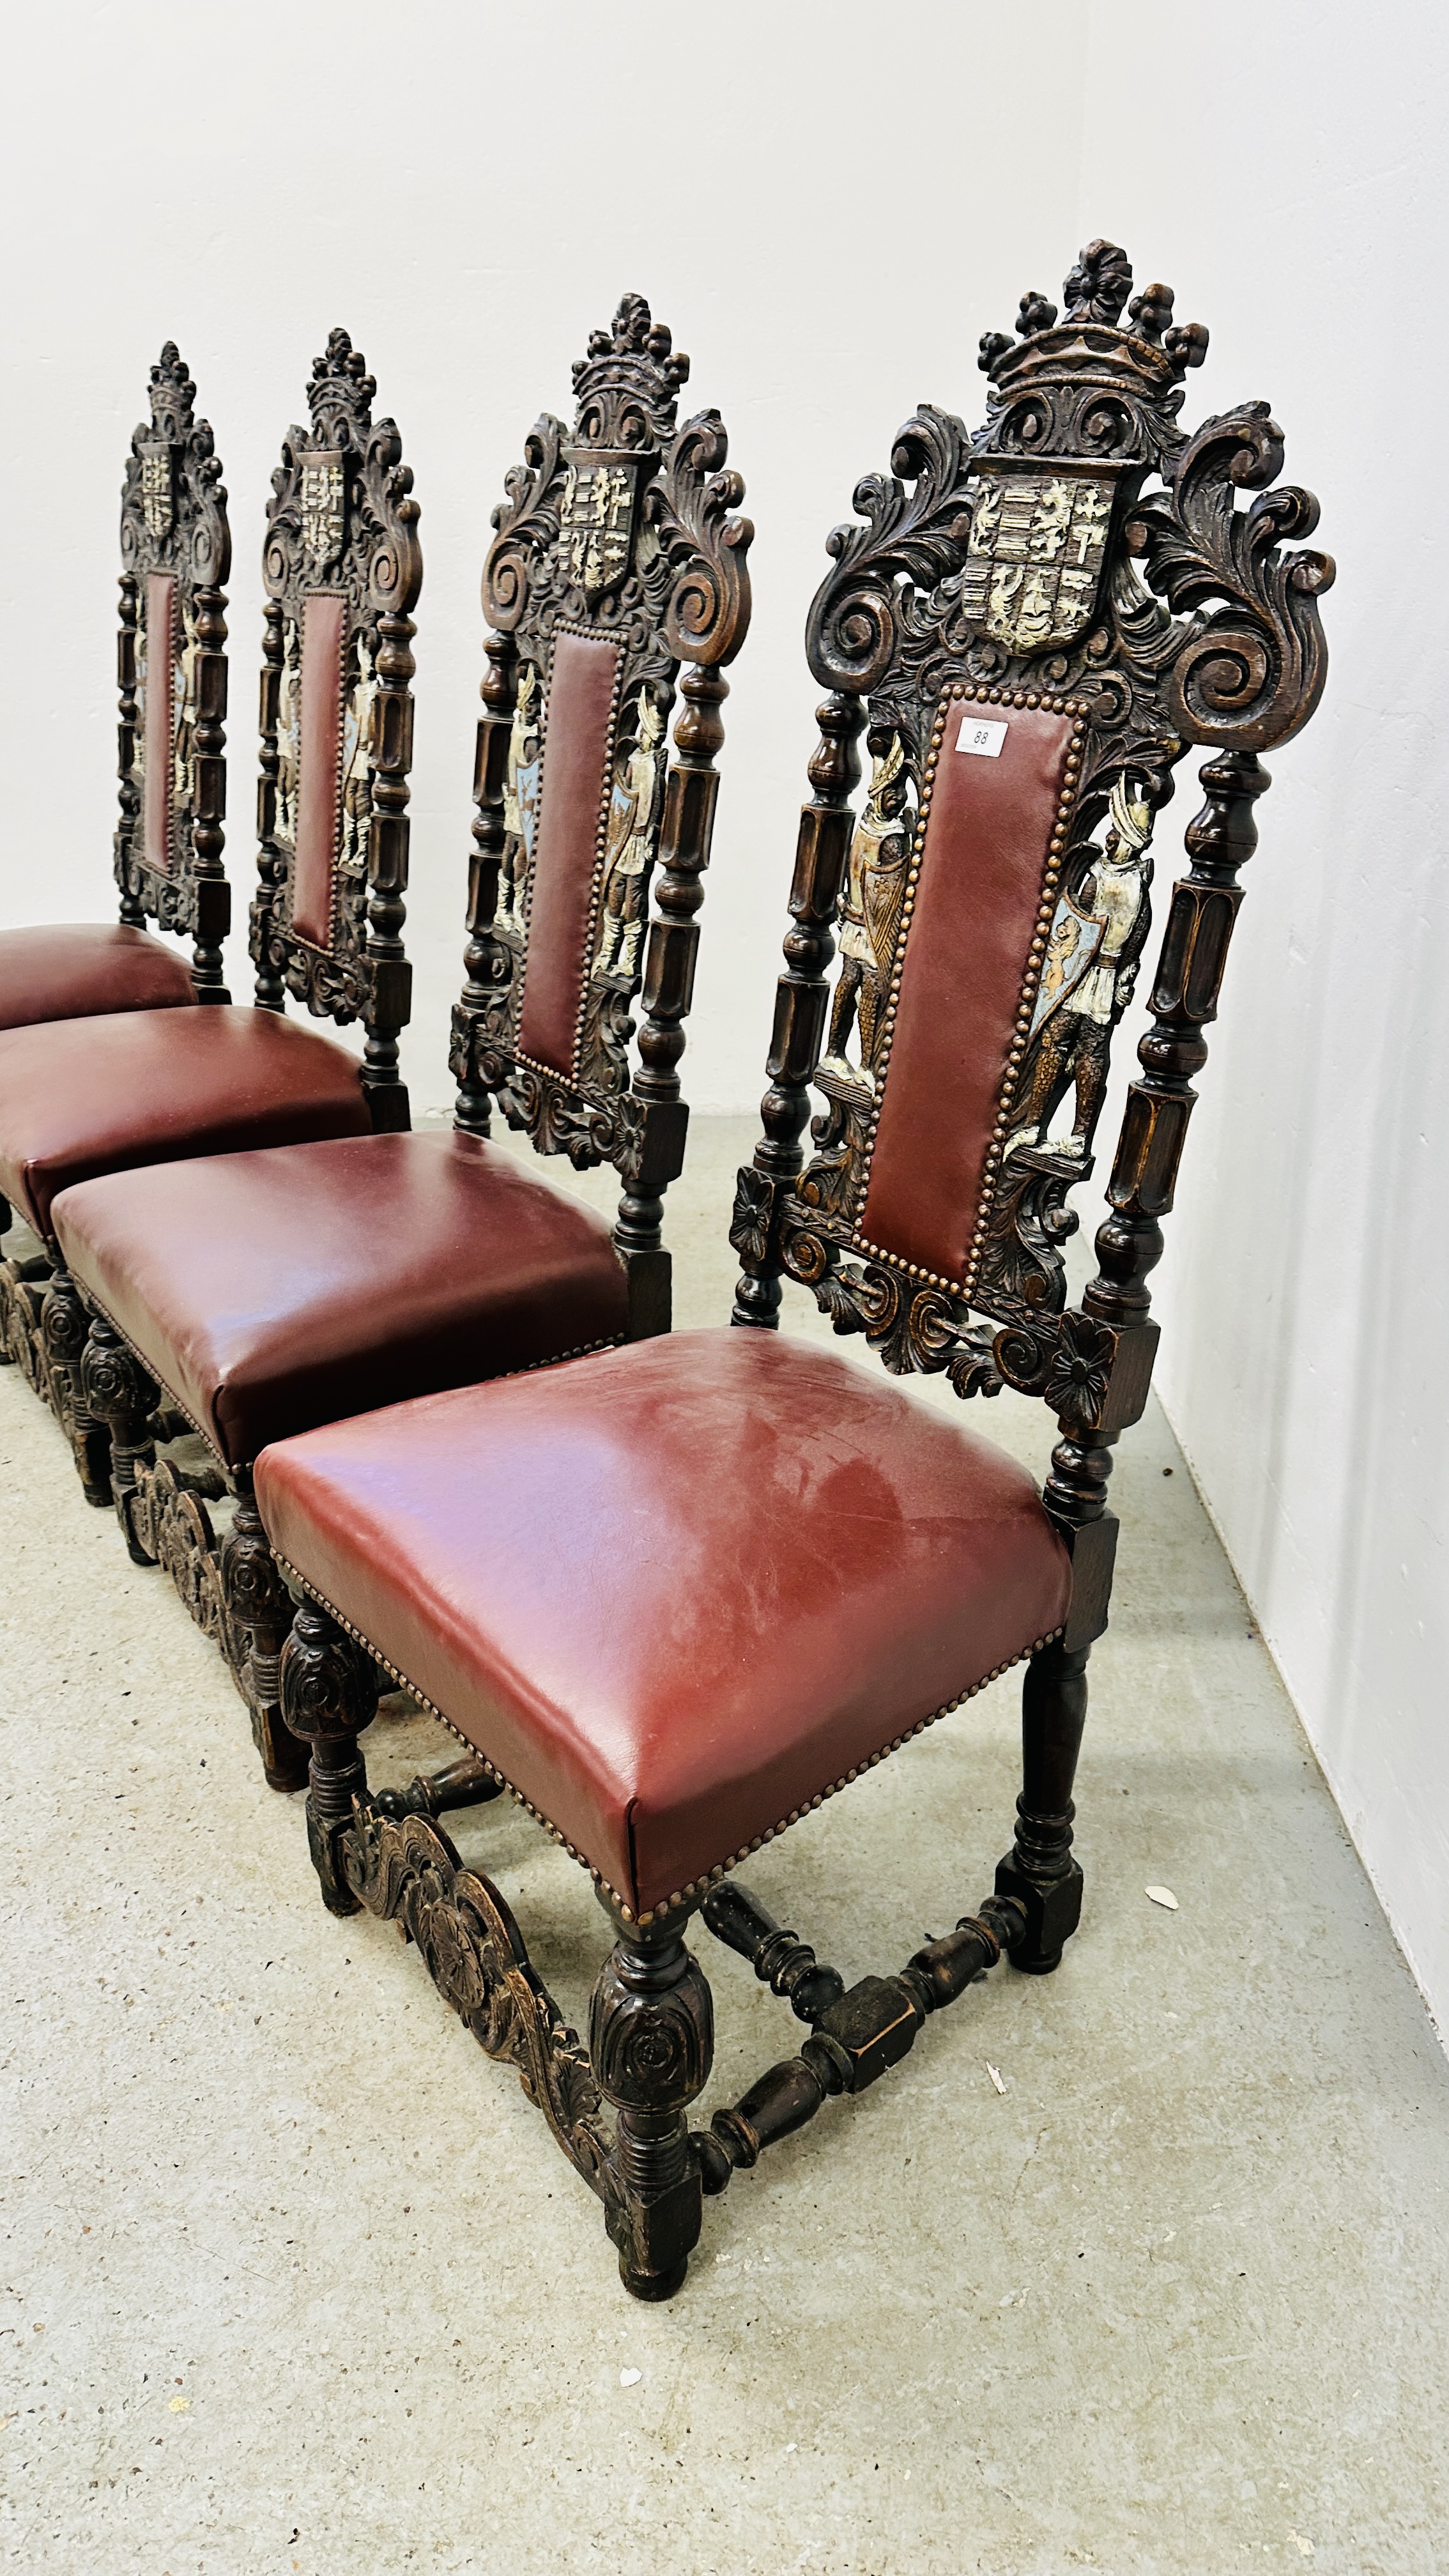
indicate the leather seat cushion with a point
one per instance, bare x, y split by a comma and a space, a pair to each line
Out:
676, 1591
156, 1086
71, 970
276, 1290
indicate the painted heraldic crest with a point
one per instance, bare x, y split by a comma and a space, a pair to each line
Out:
1034, 558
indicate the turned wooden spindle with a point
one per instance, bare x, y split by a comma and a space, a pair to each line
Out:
271, 994
487, 961
390, 976
821, 851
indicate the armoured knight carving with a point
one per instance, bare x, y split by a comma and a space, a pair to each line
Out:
629, 844
289, 732
870, 917
357, 747
520, 804
1087, 981
184, 712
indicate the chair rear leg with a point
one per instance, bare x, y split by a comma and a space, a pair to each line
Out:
1040, 1872
651, 2041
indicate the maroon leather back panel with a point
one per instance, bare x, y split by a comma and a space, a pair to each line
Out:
978, 895
324, 626
575, 772
160, 682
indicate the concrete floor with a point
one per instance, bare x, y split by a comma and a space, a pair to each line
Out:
296, 2282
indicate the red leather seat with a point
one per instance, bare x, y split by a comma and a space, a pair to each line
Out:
73, 970
677, 1592
272, 1291
106, 1095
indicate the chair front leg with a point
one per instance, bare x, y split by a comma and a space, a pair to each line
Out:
1039, 1873
257, 1615
329, 1694
63, 1342
651, 2041
115, 1390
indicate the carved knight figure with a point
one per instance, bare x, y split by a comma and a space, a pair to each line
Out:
870, 917
1087, 980
357, 724
520, 805
289, 733
183, 728
138, 737
629, 845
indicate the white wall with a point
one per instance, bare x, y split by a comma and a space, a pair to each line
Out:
469, 189
1292, 183
829, 205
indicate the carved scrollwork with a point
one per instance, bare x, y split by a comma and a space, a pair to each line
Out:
694, 508
1250, 672
560, 1120
910, 535
410, 1873
173, 1527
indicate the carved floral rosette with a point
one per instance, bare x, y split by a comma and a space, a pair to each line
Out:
175, 562
1083, 551
342, 549
624, 532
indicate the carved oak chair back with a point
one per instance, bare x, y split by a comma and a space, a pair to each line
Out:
1032, 627
171, 671
619, 557
342, 568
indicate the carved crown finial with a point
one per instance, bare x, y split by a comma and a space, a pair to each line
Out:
172, 394
341, 387
1095, 293
627, 384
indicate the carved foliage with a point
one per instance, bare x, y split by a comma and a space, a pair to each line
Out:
626, 528
341, 523
959, 575
174, 522
410, 1873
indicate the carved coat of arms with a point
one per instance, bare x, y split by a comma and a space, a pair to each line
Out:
324, 515
596, 524
1035, 553
157, 497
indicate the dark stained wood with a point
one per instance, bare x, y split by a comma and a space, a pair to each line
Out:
342, 524
174, 522
626, 529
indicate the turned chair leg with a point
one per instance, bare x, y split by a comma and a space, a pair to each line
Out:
1040, 1872
328, 1694
115, 1390
651, 2040
63, 1343
258, 1612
